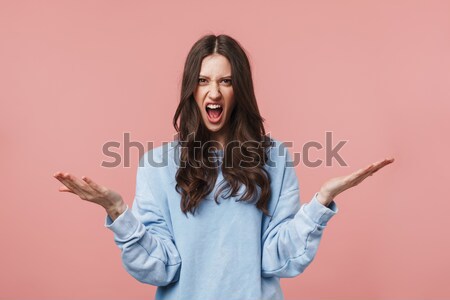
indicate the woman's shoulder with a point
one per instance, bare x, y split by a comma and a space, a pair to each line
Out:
279, 150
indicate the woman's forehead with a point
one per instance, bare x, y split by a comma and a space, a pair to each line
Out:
215, 65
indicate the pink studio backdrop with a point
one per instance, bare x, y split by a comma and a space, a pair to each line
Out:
77, 74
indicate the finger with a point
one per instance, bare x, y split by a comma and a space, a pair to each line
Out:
63, 180
360, 172
359, 179
358, 176
387, 161
377, 166
74, 180
69, 181
372, 168
381, 164
372, 172
64, 189
92, 184
80, 184
69, 186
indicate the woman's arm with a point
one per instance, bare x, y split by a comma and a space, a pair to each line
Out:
292, 238
148, 249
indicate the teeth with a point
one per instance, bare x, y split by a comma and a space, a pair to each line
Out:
213, 106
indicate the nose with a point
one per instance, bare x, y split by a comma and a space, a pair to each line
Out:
214, 92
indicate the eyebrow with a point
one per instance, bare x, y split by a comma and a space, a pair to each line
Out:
219, 78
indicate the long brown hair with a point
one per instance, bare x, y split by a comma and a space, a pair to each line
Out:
197, 176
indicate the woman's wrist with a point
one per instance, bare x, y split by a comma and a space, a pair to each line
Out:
324, 199
114, 211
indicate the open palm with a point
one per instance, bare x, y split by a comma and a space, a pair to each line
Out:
337, 185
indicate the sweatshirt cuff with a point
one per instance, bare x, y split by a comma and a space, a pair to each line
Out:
319, 213
124, 225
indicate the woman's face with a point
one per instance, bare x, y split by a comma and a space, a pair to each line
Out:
214, 95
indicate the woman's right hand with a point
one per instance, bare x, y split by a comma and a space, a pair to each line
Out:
90, 191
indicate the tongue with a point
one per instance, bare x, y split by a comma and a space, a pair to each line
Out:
215, 113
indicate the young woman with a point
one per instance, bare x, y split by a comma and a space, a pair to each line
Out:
220, 216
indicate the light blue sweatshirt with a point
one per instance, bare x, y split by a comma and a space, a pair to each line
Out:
230, 251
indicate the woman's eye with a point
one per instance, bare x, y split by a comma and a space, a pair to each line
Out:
203, 80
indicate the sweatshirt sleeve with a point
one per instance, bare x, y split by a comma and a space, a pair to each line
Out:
148, 248
292, 237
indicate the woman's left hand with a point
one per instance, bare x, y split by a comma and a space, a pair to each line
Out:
337, 185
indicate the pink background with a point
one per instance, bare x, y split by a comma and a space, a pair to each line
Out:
77, 74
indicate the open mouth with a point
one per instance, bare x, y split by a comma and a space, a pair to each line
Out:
214, 112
